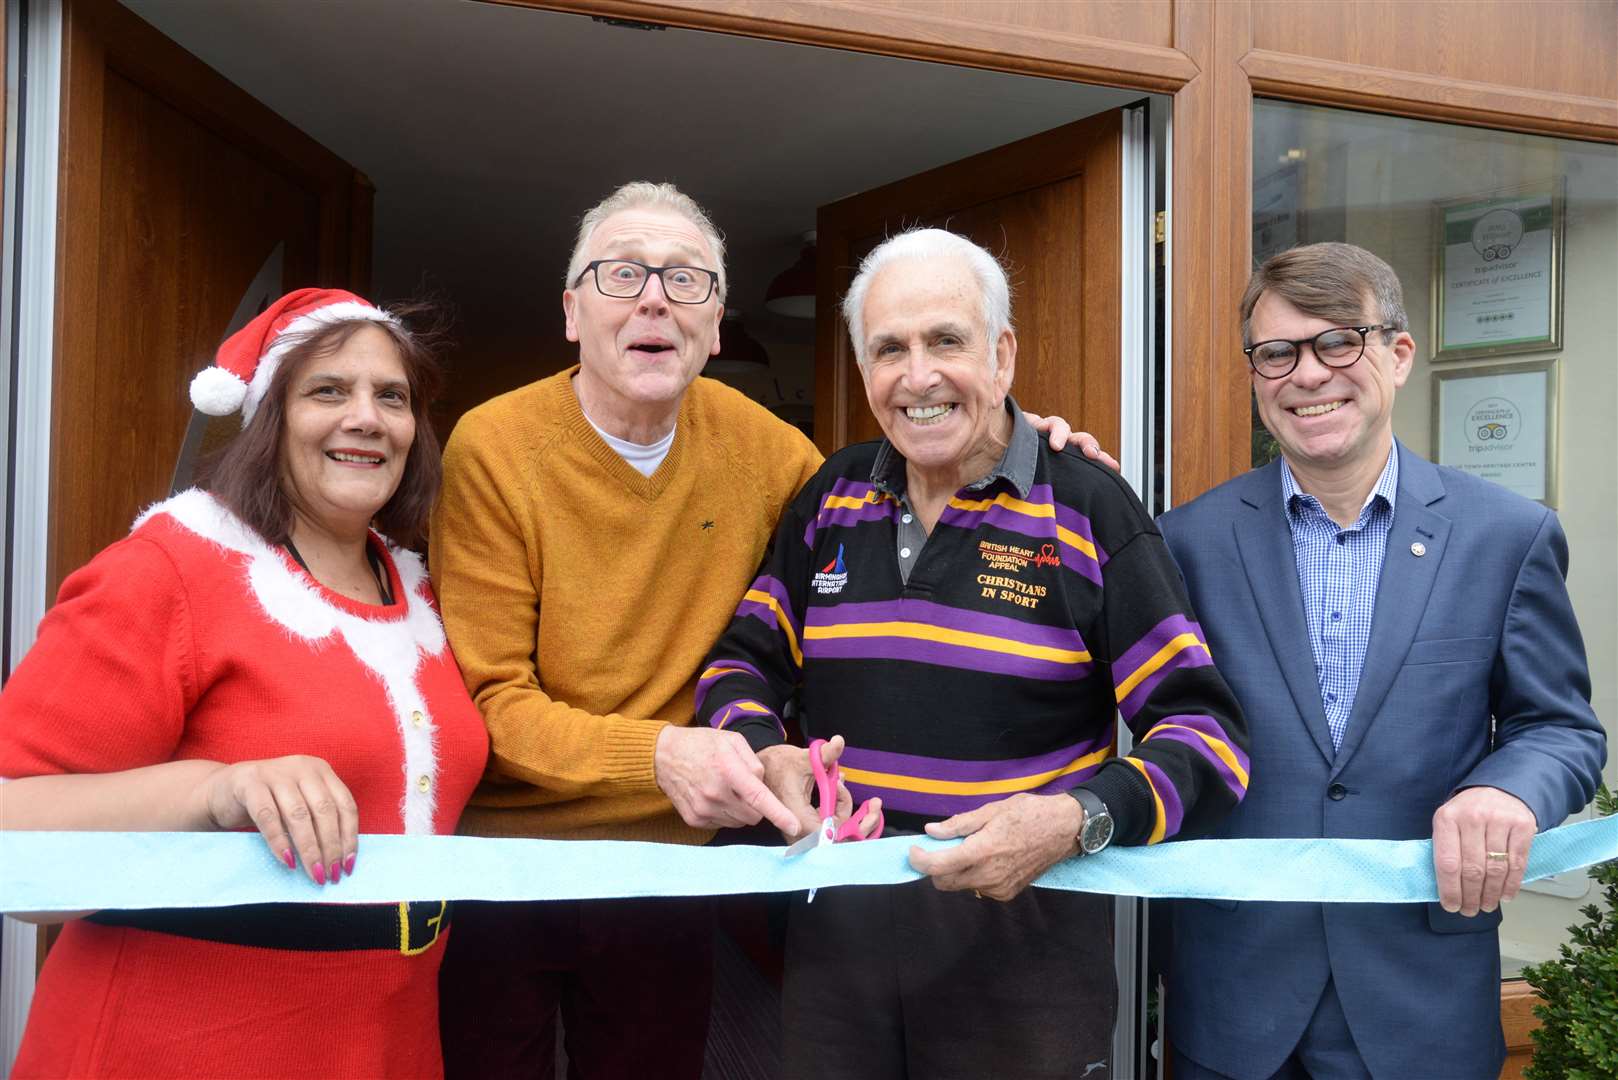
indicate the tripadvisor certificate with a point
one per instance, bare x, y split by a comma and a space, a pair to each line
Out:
1498, 283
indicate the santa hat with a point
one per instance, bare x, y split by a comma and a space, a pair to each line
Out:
247, 360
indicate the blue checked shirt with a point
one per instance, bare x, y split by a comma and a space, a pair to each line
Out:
1338, 572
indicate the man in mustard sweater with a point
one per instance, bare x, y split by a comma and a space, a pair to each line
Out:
595, 533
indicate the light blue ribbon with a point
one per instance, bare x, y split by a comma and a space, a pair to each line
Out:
81, 871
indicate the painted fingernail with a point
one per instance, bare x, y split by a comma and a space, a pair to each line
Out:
286, 857
336, 872
348, 863
318, 872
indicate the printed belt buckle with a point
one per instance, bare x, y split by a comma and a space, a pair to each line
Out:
419, 924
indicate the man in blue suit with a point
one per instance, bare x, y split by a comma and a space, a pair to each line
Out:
1400, 637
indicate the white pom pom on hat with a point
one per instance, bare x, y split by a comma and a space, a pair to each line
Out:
247, 360
217, 392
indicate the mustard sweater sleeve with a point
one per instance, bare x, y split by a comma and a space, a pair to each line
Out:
486, 567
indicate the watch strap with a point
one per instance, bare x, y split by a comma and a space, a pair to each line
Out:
1094, 809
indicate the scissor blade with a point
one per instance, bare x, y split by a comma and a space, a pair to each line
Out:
805, 843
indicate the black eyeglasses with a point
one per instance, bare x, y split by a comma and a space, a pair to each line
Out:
625, 279
1339, 347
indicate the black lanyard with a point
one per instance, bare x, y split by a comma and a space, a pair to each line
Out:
371, 557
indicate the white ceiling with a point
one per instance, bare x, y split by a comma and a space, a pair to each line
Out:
489, 129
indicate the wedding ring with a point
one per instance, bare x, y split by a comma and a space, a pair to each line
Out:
1497, 856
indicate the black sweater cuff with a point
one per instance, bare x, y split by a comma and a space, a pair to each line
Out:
760, 733
1129, 800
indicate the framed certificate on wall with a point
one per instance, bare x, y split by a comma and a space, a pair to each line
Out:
1499, 423
1497, 285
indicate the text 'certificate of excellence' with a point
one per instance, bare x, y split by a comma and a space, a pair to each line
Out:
1498, 423
1498, 274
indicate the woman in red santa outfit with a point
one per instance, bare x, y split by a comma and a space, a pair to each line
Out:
254, 655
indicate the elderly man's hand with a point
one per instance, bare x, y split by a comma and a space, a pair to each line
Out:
714, 780
1008, 844
1466, 829
788, 775
1061, 434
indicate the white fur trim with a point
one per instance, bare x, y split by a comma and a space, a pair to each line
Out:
347, 311
217, 392
389, 649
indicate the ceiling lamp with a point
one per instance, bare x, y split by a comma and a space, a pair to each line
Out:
792, 293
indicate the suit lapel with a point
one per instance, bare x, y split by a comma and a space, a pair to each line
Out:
1401, 595
1264, 540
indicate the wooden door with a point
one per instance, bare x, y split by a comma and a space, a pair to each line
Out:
175, 188
1048, 206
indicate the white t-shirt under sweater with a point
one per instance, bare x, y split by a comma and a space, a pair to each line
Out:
643, 458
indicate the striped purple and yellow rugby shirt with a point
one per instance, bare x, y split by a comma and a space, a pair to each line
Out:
1034, 617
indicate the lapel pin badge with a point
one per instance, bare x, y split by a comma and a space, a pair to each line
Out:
1418, 549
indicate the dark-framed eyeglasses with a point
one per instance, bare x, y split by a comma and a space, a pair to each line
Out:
625, 279
1339, 347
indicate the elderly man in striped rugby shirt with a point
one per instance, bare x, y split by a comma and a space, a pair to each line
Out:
972, 613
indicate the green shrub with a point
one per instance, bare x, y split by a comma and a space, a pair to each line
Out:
1579, 1037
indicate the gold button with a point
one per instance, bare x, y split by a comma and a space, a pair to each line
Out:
416, 719
423, 782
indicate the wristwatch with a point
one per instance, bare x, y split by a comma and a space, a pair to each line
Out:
1096, 832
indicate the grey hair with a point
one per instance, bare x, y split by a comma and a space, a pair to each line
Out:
643, 194
1328, 281
993, 285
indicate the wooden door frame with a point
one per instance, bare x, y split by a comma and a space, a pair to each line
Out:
1213, 73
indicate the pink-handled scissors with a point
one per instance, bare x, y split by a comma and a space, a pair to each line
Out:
826, 781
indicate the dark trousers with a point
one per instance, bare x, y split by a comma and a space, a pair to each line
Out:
905, 981
1326, 1051
632, 979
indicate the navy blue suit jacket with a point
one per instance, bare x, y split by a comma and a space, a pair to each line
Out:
1479, 626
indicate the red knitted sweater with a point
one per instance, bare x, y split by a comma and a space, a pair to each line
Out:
193, 638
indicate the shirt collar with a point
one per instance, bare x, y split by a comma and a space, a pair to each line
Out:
1016, 465
1383, 494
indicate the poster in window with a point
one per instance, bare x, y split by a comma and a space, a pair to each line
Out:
1275, 212
1499, 423
1497, 285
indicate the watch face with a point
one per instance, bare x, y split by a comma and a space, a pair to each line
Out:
1097, 833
